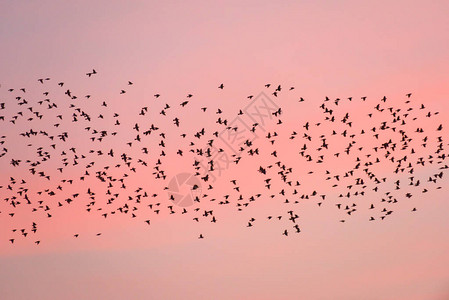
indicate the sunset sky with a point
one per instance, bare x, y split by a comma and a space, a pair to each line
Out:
335, 49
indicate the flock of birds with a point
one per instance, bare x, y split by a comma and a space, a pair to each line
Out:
382, 155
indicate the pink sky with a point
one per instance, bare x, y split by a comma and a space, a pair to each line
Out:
337, 49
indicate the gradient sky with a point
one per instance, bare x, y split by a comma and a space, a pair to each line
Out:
323, 48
